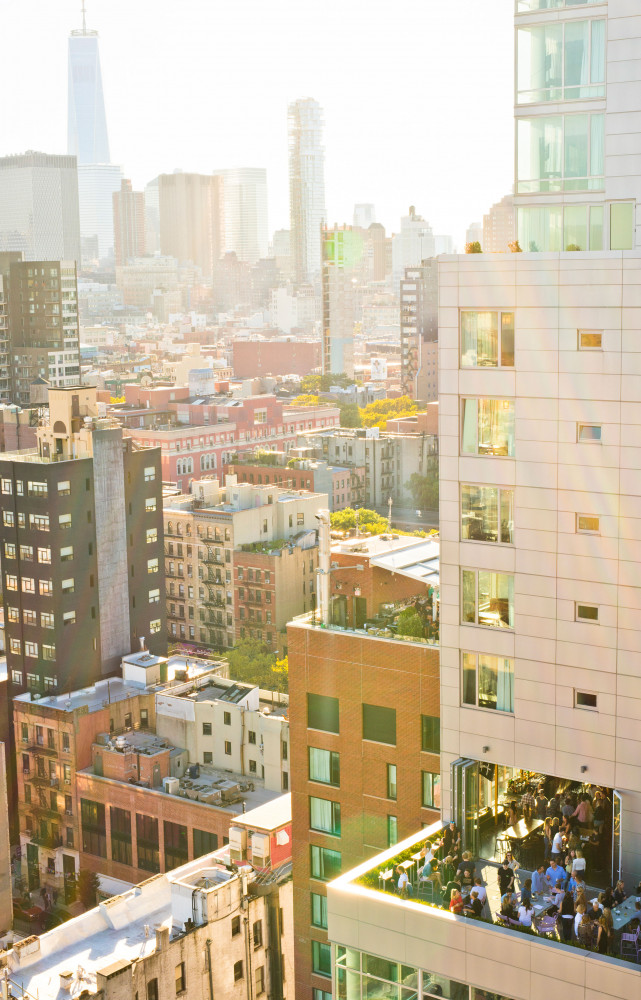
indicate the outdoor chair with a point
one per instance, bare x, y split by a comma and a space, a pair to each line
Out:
631, 944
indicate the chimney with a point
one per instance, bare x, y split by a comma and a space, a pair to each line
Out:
324, 556
142, 643
162, 938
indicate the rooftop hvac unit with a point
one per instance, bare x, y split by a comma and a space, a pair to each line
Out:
260, 850
171, 785
237, 843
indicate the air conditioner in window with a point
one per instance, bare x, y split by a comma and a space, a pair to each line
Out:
237, 844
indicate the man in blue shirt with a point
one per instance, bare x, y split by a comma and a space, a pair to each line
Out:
555, 876
539, 881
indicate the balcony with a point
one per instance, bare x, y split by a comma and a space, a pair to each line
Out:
46, 840
212, 561
381, 626
39, 748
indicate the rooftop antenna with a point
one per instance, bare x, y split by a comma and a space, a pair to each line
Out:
84, 18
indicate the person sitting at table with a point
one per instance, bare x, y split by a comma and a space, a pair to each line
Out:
539, 881
507, 907
605, 936
595, 910
583, 811
480, 890
466, 869
541, 804
526, 891
525, 912
431, 874
584, 932
404, 887
473, 906
567, 916
505, 877
578, 917
447, 891
619, 893
456, 902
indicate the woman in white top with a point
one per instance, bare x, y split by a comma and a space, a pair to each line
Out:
580, 910
525, 914
578, 864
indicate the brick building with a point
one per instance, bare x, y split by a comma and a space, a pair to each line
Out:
272, 585
277, 356
366, 708
344, 485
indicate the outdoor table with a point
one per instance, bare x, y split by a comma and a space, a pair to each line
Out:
624, 912
524, 828
406, 865
384, 877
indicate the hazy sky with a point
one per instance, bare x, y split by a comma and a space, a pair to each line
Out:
417, 93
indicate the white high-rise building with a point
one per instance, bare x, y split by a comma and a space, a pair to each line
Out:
364, 215
413, 244
97, 184
540, 544
244, 212
39, 206
306, 187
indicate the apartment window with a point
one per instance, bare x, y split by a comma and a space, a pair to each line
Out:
11, 581
66, 745
392, 830
257, 933
44, 555
325, 816
560, 153
31, 649
8, 519
319, 910
204, 842
152, 989
13, 614
487, 339
487, 598
37, 489
7, 486
151, 535
150, 474
47, 619
560, 61
16, 677
154, 625
26, 553
64, 488
622, 225
9, 550
15, 646
322, 713
154, 596
300, 519
321, 958
69, 618
206, 728
321, 995
66, 553
48, 652
590, 340
208, 757
28, 585
586, 524
64, 521
431, 733
147, 839
325, 864
176, 845
45, 587
235, 926
228, 748
487, 427
585, 699
94, 838
488, 681
284, 751
391, 781
586, 612
150, 504
260, 980
179, 972
487, 514
431, 790
68, 586
238, 971
227, 718
121, 835
589, 433
324, 766
379, 724
152, 565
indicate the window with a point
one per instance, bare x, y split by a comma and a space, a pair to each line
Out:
379, 724
94, 838
150, 474
391, 781
147, 837
560, 61
321, 958
31, 649
152, 565
154, 596
238, 971
588, 432
431, 789
584, 699
16, 677
622, 226
392, 830
6, 485
204, 842
487, 514
590, 340
45, 587
322, 713
235, 926
321, 994
44, 555
28, 585
257, 933
227, 718
152, 989
26, 553
325, 816
69, 618
560, 153
9, 550
48, 652
13, 614
430, 733
554, 227
284, 751
260, 980
151, 535
586, 612
319, 910
154, 625
66, 743
487, 339
150, 504
487, 598
176, 845
47, 619
121, 835
325, 865
586, 524
251, 735
206, 728
64, 521
64, 488
487, 427
488, 681
11, 581
37, 489
228, 748
181, 983
7, 518
252, 767
68, 586
15, 646
324, 766
208, 757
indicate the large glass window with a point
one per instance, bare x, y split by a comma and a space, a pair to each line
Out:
431, 733
487, 514
319, 910
120, 835
621, 225
561, 61
487, 427
379, 724
147, 843
325, 816
522, 6
321, 958
552, 228
487, 598
431, 789
487, 339
488, 681
94, 838
204, 842
324, 766
322, 713
176, 850
560, 153
324, 864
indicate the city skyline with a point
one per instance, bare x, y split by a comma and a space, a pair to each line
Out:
364, 130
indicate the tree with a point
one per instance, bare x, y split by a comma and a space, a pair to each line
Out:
315, 383
87, 885
253, 662
376, 414
350, 415
368, 520
305, 400
474, 247
424, 490
410, 623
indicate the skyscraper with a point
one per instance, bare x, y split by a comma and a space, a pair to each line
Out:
413, 244
244, 212
342, 259
39, 206
87, 139
129, 223
306, 187
419, 331
191, 225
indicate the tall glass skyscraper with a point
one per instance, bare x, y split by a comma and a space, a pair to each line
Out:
306, 186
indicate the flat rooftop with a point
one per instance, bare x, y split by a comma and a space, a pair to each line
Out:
374, 545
